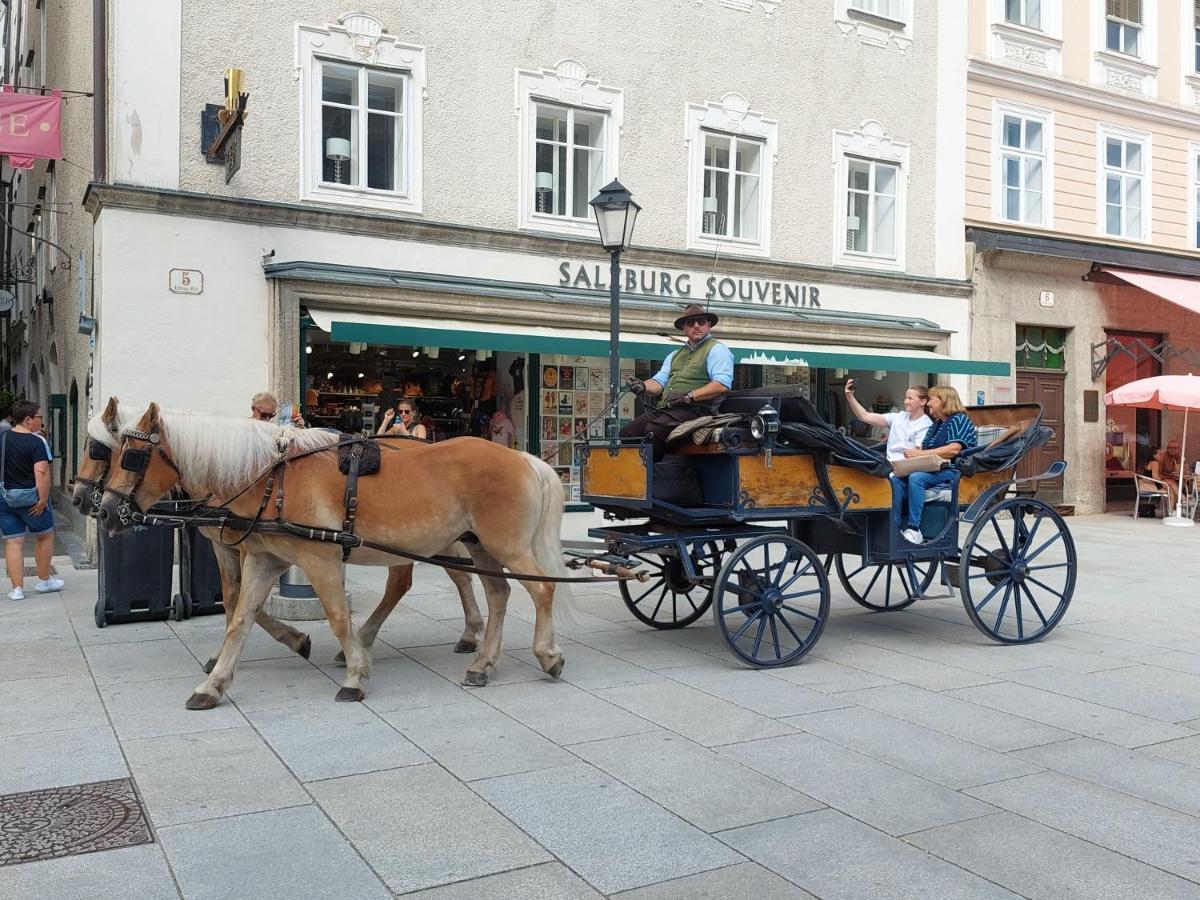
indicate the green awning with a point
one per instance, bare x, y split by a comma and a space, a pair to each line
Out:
410, 331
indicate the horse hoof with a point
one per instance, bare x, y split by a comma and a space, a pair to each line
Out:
555, 670
209, 666
202, 701
350, 695
475, 679
465, 646
305, 647
340, 659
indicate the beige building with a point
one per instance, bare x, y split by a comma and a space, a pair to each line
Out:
1082, 173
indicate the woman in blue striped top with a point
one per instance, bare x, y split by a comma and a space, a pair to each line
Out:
951, 434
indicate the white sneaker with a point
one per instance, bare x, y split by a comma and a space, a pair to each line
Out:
912, 536
53, 583
16, 594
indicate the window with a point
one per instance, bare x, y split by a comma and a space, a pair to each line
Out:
1040, 347
1194, 205
871, 207
1124, 164
361, 115
569, 127
1024, 12
732, 181
1123, 26
871, 185
1023, 171
568, 160
885, 9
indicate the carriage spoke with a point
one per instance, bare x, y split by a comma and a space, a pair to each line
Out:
858, 571
807, 568
1003, 607
741, 589
797, 596
1000, 535
1033, 531
650, 590
1032, 556
1000, 559
874, 578
661, 598
1037, 609
688, 598
1061, 565
674, 607
988, 599
887, 590
1020, 621
746, 625
775, 637
762, 626
1045, 587
801, 612
908, 593
788, 626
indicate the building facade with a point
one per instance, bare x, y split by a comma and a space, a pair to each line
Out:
409, 214
1083, 167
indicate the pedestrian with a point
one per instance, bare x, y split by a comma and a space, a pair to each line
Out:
25, 504
690, 381
264, 407
403, 420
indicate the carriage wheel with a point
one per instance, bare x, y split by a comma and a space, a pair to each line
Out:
885, 587
1017, 571
772, 600
669, 599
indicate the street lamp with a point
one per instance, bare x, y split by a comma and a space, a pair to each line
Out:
616, 212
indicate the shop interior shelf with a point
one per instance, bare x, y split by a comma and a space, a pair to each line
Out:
340, 394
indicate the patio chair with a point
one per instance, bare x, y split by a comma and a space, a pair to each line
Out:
1150, 490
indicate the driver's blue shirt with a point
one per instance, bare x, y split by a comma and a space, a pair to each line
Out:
720, 364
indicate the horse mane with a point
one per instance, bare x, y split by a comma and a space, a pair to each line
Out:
227, 454
127, 417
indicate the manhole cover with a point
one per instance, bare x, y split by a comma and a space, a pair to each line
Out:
67, 821
31, 571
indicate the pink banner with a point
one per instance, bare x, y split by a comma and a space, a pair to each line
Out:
30, 126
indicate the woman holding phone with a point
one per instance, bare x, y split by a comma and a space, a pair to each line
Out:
403, 420
906, 429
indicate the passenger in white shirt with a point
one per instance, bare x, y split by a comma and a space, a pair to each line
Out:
906, 429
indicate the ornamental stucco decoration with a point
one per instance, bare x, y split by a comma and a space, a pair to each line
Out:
364, 32
871, 140
768, 6
568, 81
1023, 55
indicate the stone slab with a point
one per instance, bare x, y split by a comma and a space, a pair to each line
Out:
562, 712
1183, 750
838, 858
550, 881
711, 791
755, 690
404, 683
49, 704
22, 660
45, 759
134, 873
418, 827
224, 859
698, 716
742, 880
115, 664
613, 837
902, 667
1163, 694
512, 668
819, 674
280, 683
593, 669
645, 649
143, 709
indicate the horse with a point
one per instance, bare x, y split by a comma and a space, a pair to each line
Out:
510, 502
104, 438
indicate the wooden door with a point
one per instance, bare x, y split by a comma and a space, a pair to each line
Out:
1048, 389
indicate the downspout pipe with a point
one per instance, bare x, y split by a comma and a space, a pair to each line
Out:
100, 90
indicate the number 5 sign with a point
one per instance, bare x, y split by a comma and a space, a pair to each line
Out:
186, 281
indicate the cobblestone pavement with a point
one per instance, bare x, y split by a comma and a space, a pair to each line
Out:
907, 756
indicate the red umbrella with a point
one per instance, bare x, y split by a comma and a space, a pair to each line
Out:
1172, 392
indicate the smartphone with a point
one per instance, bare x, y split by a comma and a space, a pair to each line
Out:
850, 385
285, 413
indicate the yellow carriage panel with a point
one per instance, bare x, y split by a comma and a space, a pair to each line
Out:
871, 491
970, 487
622, 476
789, 481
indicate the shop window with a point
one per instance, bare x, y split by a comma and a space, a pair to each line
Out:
871, 186
569, 126
1123, 26
1023, 164
1040, 347
1024, 12
1125, 165
1131, 435
360, 94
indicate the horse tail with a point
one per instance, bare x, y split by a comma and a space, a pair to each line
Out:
547, 537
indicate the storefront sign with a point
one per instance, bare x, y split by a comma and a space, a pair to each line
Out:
676, 284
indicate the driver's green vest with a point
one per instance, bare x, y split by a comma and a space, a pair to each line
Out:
689, 370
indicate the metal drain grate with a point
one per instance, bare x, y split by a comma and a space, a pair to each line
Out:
67, 821
31, 571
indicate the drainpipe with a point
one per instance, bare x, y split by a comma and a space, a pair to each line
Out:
100, 90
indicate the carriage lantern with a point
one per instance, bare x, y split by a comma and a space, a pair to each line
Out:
616, 212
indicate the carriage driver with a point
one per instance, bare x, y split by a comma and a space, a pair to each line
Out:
690, 381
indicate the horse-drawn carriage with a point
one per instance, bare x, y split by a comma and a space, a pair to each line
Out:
771, 505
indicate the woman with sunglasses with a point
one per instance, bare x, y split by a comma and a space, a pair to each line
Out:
403, 420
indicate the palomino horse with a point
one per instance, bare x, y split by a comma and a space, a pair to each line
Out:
511, 502
104, 438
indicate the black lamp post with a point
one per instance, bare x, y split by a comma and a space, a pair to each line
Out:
616, 212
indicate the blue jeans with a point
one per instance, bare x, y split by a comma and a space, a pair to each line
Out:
908, 495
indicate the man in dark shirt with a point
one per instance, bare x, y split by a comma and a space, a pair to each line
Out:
27, 469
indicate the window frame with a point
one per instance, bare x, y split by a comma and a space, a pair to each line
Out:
362, 109
1193, 198
566, 84
1103, 133
1000, 109
870, 143
337, 44
1123, 72
873, 29
1024, 6
733, 118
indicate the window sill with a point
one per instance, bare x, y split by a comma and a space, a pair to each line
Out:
876, 19
866, 261
559, 225
731, 246
347, 195
875, 31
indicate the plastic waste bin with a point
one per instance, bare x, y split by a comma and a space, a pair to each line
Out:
135, 575
200, 589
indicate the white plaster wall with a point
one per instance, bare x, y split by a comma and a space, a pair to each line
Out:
795, 67
205, 352
144, 67
950, 161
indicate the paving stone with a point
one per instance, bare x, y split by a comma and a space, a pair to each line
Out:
404, 683
279, 683
131, 873
419, 827
474, 740
957, 718
834, 857
23, 660
19, 624
1160, 837
743, 880
562, 712
307, 858
902, 667
819, 674
883, 796
1163, 694
1132, 772
330, 740
1039, 862
406, 628
698, 716
550, 881
932, 755
755, 690
208, 775
115, 664
645, 649
1185, 750
1177, 660
142, 709
451, 666
49, 704
592, 669
615, 838
58, 758
711, 791
88, 634
1102, 722
204, 636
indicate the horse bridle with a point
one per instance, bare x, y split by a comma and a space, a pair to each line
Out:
137, 460
97, 451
